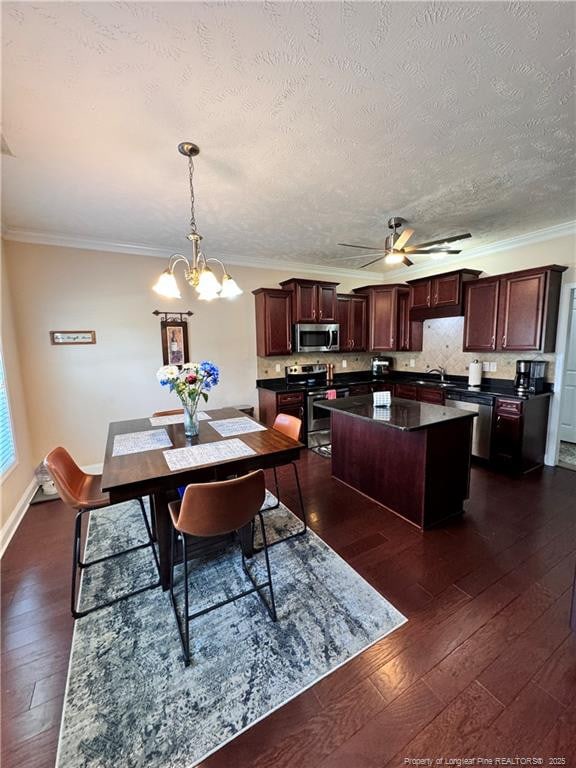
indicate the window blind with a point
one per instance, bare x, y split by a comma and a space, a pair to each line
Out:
7, 449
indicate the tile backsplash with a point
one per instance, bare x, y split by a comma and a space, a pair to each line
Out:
442, 347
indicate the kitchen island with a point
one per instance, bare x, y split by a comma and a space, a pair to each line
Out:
412, 457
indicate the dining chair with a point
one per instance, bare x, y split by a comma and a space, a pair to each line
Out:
216, 509
289, 426
83, 492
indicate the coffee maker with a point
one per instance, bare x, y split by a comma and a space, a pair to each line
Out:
381, 366
530, 377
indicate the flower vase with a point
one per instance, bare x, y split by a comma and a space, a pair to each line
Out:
191, 424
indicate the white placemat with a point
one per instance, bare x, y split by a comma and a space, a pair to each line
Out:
237, 426
137, 442
175, 418
207, 453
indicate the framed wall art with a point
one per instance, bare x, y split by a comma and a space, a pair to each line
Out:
73, 337
174, 332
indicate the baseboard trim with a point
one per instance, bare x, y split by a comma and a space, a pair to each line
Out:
11, 525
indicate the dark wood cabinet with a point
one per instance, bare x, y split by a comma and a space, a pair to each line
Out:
481, 315
382, 386
521, 311
425, 394
410, 332
273, 322
406, 391
519, 431
440, 295
515, 312
389, 324
271, 403
351, 316
360, 389
313, 301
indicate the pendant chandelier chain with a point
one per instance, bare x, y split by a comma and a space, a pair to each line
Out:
193, 230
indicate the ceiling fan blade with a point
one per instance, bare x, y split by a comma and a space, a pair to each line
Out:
433, 250
372, 262
365, 247
438, 242
403, 239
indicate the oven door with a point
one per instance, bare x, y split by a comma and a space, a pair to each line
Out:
319, 418
316, 337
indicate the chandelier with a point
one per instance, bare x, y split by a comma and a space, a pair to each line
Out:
197, 271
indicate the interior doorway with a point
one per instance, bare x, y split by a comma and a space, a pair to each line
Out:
567, 425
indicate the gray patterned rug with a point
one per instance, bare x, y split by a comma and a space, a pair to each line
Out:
131, 702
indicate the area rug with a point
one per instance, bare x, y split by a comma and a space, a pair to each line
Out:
129, 699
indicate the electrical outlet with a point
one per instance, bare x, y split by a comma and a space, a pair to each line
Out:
412, 363
278, 369
344, 363
493, 367
485, 367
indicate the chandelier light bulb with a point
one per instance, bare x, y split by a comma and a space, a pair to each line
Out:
167, 286
230, 288
208, 282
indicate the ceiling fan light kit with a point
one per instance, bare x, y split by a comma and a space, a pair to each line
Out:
396, 251
197, 273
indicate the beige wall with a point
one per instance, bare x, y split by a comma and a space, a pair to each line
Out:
73, 392
19, 478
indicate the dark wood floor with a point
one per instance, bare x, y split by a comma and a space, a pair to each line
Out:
486, 665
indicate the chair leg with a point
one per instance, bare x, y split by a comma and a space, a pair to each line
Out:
186, 606
277, 489
264, 541
303, 515
75, 561
150, 537
79, 563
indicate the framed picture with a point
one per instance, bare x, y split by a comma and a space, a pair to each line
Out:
73, 337
174, 342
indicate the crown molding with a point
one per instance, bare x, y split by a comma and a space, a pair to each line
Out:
141, 249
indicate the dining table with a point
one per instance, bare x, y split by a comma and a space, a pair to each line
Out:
130, 473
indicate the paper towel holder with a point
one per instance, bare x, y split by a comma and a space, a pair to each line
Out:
475, 374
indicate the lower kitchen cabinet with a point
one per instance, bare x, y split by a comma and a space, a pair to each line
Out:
519, 431
271, 403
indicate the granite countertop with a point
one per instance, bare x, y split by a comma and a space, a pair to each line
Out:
496, 387
407, 415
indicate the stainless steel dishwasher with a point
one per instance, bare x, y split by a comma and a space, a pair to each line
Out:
483, 404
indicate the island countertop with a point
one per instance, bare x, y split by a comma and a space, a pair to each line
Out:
407, 415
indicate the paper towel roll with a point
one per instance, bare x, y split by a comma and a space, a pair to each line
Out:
475, 374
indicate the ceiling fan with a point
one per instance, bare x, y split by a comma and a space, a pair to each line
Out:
396, 251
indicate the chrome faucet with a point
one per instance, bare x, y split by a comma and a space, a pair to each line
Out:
440, 370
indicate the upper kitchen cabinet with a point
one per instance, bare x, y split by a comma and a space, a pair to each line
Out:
515, 312
389, 328
313, 301
440, 295
273, 322
351, 316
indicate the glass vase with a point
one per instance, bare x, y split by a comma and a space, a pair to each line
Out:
191, 424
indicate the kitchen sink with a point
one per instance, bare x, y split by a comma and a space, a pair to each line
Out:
422, 383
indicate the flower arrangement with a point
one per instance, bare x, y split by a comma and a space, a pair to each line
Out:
190, 382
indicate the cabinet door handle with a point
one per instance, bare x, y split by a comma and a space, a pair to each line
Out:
301, 412
504, 340
320, 314
289, 346
428, 300
493, 339
314, 314
435, 298
352, 342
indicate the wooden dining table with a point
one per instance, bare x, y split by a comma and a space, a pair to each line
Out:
147, 473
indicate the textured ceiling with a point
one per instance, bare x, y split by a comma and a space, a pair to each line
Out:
316, 122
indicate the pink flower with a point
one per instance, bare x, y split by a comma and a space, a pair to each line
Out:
191, 378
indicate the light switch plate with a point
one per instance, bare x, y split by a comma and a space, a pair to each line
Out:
412, 363
493, 367
485, 366
278, 369
344, 363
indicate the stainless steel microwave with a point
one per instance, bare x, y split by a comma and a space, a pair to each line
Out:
316, 337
